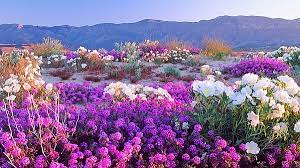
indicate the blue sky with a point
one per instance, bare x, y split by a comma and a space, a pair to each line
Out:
90, 12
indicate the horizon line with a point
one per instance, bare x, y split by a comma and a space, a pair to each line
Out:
150, 19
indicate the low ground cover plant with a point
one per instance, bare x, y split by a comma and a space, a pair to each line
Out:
268, 67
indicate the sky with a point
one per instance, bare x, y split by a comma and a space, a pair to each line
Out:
90, 12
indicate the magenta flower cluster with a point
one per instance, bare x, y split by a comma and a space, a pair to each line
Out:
262, 66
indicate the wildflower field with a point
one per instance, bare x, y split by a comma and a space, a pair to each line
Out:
149, 104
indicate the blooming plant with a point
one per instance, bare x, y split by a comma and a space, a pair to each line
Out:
24, 76
290, 55
153, 51
262, 66
178, 55
211, 102
262, 110
122, 91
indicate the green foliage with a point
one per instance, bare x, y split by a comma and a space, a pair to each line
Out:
219, 56
132, 52
172, 71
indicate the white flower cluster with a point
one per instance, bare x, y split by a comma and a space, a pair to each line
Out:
11, 87
285, 54
82, 51
179, 54
207, 70
121, 90
252, 148
211, 87
281, 95
55, 59
155, 55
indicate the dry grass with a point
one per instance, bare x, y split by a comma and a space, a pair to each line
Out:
215, 47
49, 47
173, 44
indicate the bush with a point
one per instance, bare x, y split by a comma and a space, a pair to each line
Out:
172, 71
261, 66
216, 48
262, 110
49, 47
63, 74
290, 55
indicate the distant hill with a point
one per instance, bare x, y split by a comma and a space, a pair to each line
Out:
242, 32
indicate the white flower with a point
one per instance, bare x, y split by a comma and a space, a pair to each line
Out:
218, 73
280, 128
204, 87
238, 98
49, 87
297, 126
263, 83
193, 103
8, 89
206, 69
278, 111
282, 96
261, 95
250, 79
11, 98
246, 91
83, 66
254, 118
26, 86
252, 148
16, 88
185, 125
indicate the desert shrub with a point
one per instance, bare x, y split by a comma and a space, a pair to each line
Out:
262, 66
216, 48
172, 71
63, 74
92, 78
49, 47
133, 58
173, 44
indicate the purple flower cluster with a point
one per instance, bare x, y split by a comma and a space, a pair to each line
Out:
71, 55
117, 55
153, 48
261, 66
194, 50
179, 91
74, 93
100, 132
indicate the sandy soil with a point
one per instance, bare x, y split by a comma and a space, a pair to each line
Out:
185, 70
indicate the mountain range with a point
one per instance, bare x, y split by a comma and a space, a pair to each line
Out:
241, 32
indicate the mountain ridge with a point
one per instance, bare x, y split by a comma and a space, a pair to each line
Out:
242, 32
